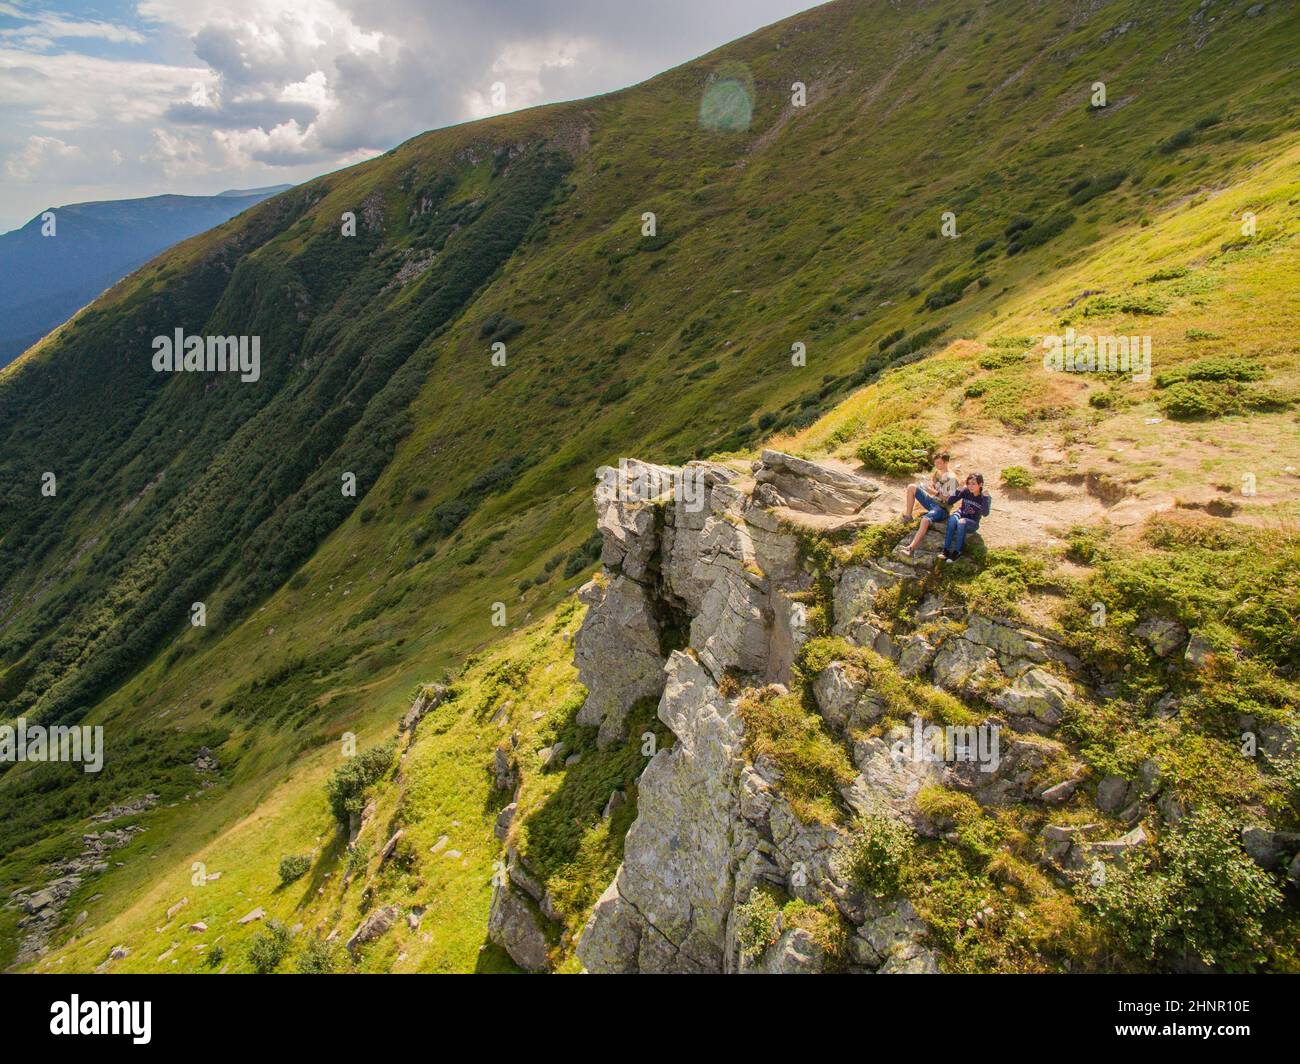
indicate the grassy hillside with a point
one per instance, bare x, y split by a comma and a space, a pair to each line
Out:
818, 225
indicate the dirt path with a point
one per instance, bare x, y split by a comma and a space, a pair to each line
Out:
1114, 489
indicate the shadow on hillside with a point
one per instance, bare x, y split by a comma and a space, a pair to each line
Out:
493, 960
327, 863
558, 828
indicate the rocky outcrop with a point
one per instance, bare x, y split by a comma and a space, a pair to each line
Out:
801, 485
712, 825
429, 699
513, 927
618, 653
377, 923
42, 906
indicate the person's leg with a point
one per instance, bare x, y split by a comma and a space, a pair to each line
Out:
951, 534
960, 540
920, 533
917, 495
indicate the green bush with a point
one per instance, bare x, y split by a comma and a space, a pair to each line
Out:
950, 291
269, 948
584, 557
889, 339
897, 450
1091, 188
1038, 233
757, 923
875, 857
1198, 399
319, 958
1204, 897
1017, 477
1126, 304
293, 866
1222, 368
347, 785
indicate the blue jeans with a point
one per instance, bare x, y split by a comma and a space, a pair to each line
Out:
933, 507
956, 535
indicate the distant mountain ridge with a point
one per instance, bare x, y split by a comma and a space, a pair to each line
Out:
46, 279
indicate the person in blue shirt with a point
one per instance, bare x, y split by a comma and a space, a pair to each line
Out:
969, 505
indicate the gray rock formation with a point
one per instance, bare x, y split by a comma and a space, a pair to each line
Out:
513, 926
811, 487
712, 826
378, 922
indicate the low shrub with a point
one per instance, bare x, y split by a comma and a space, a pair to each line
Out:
1204, 897
876, 855
319, 958
757, 921
1018, 478
269, 948
293, 866
347, 785
897, 450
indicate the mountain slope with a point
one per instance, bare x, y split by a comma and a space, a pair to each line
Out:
46, 274
816, 225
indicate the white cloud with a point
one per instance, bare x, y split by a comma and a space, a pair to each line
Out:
40, 29
195, 95
42, 157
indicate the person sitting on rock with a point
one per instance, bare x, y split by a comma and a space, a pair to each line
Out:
943, 483
972, 503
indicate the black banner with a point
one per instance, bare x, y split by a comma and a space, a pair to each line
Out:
334, 1013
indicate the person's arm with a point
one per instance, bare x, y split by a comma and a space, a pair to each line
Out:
984, 504
953, 498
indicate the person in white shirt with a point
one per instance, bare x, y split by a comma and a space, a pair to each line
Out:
932, 497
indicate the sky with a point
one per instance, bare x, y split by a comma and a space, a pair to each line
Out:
119, 99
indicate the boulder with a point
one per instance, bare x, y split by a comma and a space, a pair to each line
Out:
889, 779
844, 699
814, 488
1114, 793
1164, 637
617, 800
376, 923
886, 931
1119, 849
429, 699
964, 667
504, 818
505, 771
796, 952
915, 655
617, 652
257, 914
1036, 698
1268, 848
1199, 652
514, 927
